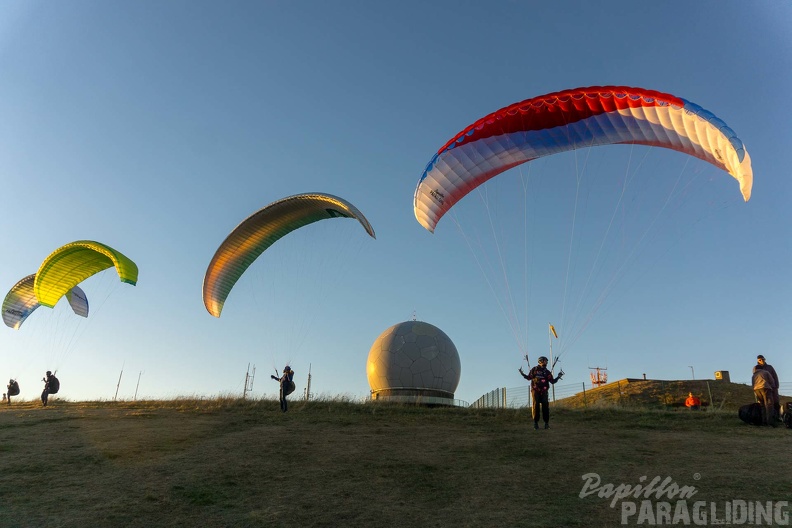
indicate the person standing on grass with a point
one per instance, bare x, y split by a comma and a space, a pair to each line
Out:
286, 386
760, 359
763, 390
540, 378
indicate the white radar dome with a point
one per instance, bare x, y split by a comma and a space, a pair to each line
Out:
413, 362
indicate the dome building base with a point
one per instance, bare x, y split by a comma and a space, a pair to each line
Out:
414, 396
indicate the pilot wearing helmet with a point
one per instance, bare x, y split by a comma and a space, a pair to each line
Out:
540, 378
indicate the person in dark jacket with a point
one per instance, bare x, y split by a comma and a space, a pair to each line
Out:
763, 386
540, 378
760, 360
45, 393
286, 386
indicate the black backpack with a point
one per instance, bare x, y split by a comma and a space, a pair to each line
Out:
53, 385
13, 388
751, 414
788, 415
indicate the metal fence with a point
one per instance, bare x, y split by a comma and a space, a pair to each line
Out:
517, 397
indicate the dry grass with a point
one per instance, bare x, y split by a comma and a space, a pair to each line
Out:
229, 462
659, 394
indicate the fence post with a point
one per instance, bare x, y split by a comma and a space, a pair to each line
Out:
504, 398
712, 402
585, 402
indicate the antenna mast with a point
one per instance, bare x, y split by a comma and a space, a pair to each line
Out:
308, 386
119, 381
249, 377
599, 377
138, 385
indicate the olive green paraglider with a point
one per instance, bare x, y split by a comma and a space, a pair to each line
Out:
262, 229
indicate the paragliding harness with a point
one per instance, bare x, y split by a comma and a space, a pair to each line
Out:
788, 415
287, 385
13, 388
537, 383
53, 385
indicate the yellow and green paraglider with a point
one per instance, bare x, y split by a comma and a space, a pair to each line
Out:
71, 264
262, 229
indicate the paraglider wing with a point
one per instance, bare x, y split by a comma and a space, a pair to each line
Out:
20, 302
572, 119
262, 229
71, 264
78, 301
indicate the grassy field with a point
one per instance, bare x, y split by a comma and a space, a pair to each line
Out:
227, 462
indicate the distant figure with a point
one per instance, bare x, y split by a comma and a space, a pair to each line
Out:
693, 402
286, 386
51, 386
760, 359
13, 389
763, 390
540, 378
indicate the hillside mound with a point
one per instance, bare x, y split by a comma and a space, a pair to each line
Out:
664, 394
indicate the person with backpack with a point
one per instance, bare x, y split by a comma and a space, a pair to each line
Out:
13, 389
286, 386
51, 386
540, 378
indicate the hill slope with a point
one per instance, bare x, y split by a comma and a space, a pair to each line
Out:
243, 463
664, 394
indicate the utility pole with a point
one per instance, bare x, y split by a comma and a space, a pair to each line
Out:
138, 385
119, 381
308, 386
248, 381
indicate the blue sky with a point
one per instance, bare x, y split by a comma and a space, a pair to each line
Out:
156, 127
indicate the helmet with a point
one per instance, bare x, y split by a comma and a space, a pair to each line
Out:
286, 368
49, 373
542, 359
